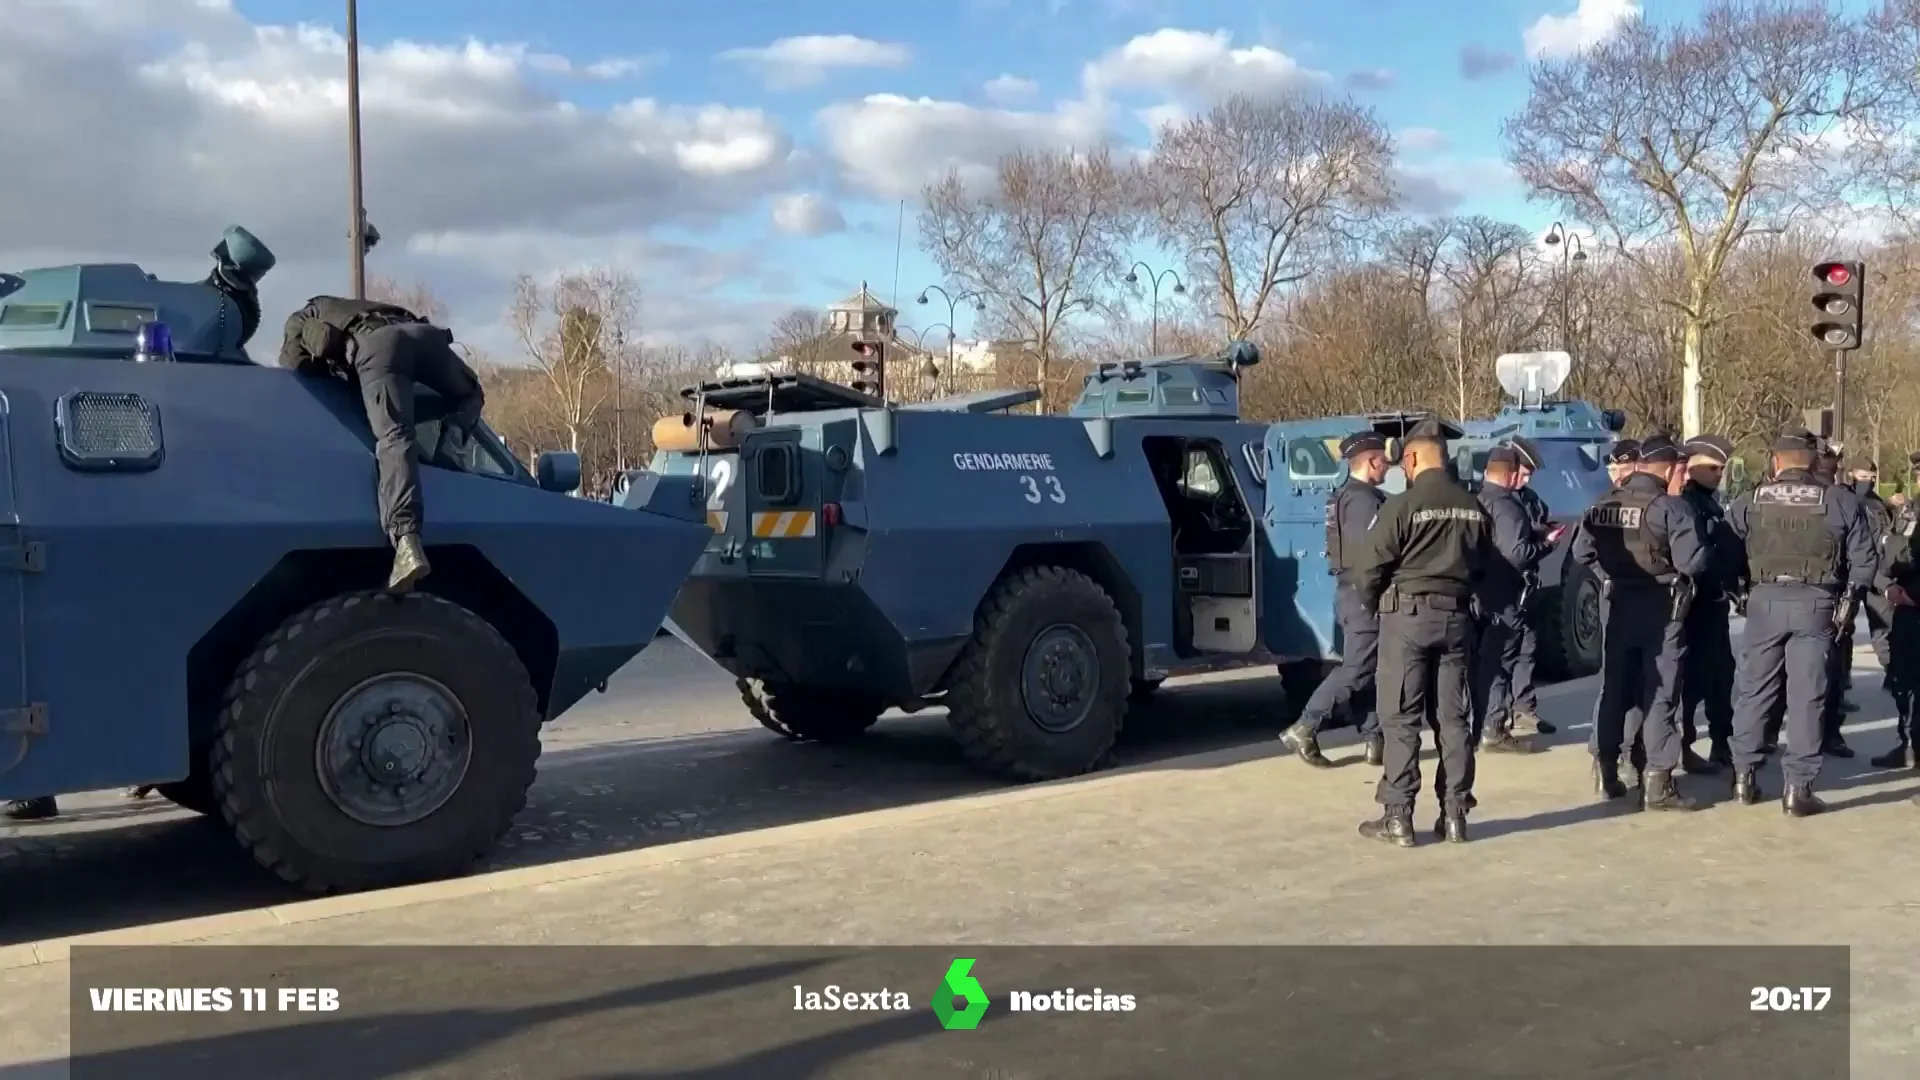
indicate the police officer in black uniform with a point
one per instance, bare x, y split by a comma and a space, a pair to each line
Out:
1425, 559
385, 350
1622, 458
1810, 556
1645, 546
1708, 679
1350, 686
1899, 648
1526, 696
1509, 585
1840, 661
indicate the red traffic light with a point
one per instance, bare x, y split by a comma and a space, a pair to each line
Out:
866, 348
1835, 274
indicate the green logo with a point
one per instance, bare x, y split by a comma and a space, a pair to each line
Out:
959, 984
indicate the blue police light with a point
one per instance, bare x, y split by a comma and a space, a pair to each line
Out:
153, 341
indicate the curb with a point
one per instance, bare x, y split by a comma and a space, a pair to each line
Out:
183, 931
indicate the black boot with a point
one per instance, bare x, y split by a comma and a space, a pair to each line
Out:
1606, 779
1394, 827
1305, 746
1528, 722
1658, 792
1746, 787
1501, 742
1451, 826
1836, 746
1376, 750
1721, 753
1800, 801
1695, 764
409, 565
1900, 757
40, 809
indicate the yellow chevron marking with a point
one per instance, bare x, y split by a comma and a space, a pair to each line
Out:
783, 525
717, 520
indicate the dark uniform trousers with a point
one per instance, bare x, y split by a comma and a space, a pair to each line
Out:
1425, 646
1787, 656
1644, 653
1526, 697
1497, 669
1350, 687
1708, 676
388, 360
1882, 616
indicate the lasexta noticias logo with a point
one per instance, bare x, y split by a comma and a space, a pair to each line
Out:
960, 1002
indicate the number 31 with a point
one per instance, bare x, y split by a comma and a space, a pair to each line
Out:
1054, 490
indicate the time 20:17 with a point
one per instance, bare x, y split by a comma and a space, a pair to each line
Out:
1789, 998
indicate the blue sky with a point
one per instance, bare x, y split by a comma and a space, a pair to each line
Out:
734, 187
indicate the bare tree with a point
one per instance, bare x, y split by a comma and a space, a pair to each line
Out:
1037, 243
804, 337
571, 332
1255, 190
1698, 134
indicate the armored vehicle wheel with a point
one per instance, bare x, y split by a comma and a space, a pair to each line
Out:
1569, 622
1041, 691
812, 714
1144, 690
374, 740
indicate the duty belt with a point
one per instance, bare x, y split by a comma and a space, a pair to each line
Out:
1789, 579
375, 320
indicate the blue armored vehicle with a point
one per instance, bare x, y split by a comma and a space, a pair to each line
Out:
192, 585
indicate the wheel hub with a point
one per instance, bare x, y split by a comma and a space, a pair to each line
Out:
1059, 678
393, 749
1586, 612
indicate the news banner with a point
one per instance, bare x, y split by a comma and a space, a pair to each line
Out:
596, 1013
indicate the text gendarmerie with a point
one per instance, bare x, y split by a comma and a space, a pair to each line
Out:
837, 999
1003, 462
1070, 1000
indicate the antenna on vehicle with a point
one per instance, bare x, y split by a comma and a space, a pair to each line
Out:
1532, 378
701, 432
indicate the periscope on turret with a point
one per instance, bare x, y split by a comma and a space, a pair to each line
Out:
194, 570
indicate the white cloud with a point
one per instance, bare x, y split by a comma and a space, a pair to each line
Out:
156, 124
806, 214
1010, 90
1442, 187
1421, 140
1196, 66
891, 146
794, 62
1590, 23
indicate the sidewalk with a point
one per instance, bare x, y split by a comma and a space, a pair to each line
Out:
1213, 849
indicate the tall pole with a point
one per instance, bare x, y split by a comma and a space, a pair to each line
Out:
357, 219
1178, 287
1839, 397
953, 305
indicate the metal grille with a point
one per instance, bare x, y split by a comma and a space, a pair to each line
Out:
109, 430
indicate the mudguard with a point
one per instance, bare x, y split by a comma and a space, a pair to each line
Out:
152, 509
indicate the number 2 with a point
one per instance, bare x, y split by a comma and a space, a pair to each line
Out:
720, 474
1054, 490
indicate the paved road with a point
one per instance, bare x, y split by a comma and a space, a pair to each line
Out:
668, 753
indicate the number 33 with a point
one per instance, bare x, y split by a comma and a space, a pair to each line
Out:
1054, 490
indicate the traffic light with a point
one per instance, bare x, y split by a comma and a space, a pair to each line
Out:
1819, 421
1840, 295
871, 369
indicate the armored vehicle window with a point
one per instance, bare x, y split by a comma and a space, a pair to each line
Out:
449, 450
1133, 397
118, 318
1309, 459
37, 316
1181, 395
777, 474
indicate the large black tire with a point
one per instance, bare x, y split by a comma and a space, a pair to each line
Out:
987, 702
268, 761
1568, 619
808, 713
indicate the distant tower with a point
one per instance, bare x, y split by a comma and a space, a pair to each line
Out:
862, 317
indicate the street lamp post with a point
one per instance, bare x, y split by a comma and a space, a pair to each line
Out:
1571, 253
1179, 289
357, 212
953, 305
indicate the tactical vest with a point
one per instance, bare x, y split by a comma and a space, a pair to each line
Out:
1342, 550
1626, 547
1788, 538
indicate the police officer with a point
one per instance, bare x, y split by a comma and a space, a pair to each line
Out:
1350, 686
386, 350
1526, 697
1645, 547
1621, 457
1503, 596
1426, 556
1899, 648
1810, 555
1840, 661
1707, 682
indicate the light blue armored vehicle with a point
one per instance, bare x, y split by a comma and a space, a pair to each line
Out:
191, 595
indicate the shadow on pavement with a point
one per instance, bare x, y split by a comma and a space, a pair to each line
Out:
149, 862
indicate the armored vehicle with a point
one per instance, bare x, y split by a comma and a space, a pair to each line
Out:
1031, 573
192, 585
